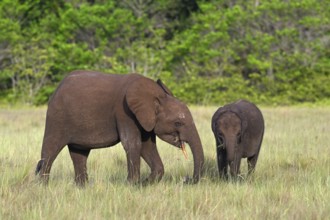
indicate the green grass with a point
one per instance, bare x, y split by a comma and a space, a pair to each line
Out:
292, 179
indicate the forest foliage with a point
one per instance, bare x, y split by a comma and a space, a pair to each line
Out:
207, 51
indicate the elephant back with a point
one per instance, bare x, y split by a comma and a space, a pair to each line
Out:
251, 116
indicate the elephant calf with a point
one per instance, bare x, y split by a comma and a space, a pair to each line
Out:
238, 130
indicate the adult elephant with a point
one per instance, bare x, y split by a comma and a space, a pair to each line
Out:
91, 110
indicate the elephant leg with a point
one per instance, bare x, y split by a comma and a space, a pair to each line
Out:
133, 152
50, 149
133, 166
150, 154
130, 138
252, 161
222, 162
79, 159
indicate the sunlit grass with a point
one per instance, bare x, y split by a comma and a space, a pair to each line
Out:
292, 178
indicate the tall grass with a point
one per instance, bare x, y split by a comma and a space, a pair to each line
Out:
292, 179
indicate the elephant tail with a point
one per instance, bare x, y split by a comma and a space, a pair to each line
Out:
39, 166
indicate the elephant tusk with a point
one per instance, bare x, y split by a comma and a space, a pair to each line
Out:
183, 148
221, 146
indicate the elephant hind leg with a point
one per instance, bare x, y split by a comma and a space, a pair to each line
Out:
49, 152
150, 154
252, 161
79, 159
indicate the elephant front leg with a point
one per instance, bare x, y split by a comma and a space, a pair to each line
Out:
130, 137
222, 162
151, 156
133, 166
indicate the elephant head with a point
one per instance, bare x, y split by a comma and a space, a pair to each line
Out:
158, 111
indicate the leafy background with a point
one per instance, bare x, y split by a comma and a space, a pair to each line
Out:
271, 52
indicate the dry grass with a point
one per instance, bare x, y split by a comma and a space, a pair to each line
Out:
292, 179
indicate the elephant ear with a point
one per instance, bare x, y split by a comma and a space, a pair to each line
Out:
244, 123
216, 117
162, 85
142, 99
241, 115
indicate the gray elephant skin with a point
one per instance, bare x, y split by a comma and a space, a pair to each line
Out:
91, 110
238, 130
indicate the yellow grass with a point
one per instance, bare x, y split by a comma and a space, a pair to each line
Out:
292, 179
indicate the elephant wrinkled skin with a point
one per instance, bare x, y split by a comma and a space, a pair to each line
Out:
91, 110
238, 130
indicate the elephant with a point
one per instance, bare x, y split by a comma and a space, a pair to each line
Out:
238, 129
91, 110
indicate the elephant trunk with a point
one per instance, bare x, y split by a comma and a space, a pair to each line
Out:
198, 154
230, 145
233, 156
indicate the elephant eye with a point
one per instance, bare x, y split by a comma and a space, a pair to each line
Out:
178, 124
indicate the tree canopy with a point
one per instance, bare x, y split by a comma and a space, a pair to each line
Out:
207, 51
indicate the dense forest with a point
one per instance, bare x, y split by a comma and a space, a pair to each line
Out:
207, 51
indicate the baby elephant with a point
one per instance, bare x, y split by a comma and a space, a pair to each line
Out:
238, 129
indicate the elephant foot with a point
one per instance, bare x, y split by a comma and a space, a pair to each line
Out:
81, 182
236, 178
150, 180
133, 181
43, 178
224, 177
189, 180
147, 182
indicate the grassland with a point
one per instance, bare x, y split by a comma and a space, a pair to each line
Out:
292, 180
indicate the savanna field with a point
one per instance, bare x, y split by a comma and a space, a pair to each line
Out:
292, 178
